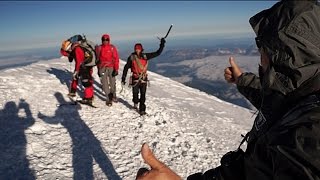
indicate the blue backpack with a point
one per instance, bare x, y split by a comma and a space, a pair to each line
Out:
89, 50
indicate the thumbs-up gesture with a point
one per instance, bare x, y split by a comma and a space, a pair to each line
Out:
232, 73
159, 171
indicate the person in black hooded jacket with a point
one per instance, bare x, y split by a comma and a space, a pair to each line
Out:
138, 63
284, 142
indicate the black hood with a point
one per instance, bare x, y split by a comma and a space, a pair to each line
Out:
290, 33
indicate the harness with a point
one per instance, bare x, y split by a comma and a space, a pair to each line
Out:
142, 75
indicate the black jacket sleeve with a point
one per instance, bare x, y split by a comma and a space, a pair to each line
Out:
156, 53
125, 69
211, 174
249, 86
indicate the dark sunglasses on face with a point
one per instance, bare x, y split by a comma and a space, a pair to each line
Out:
258, 42
105, 39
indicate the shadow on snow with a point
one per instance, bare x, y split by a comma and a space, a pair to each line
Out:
14, 163
85, 146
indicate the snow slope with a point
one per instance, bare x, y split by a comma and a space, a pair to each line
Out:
187, 129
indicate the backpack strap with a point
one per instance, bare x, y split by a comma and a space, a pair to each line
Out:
89, 45
89, 51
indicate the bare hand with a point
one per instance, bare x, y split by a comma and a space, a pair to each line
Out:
159, 171
232, 73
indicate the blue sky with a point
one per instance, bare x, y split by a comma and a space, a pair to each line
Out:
37, 24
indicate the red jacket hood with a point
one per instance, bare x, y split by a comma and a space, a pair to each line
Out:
106, 36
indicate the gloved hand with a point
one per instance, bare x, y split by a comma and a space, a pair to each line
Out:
70, 58
83, 66
114, 73
75, 75
162, 41
100, 74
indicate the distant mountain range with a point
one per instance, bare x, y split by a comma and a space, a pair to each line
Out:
176, 55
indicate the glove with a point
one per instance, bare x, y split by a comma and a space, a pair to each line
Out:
75, 75
114, 73
98, 62
162, 41
83, 66
70, 58
99, 73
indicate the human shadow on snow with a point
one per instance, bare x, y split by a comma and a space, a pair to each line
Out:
85, 146
14, 163
126, 103
63, 75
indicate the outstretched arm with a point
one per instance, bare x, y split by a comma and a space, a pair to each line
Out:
248, 84
158, 52
48, 119
29, 119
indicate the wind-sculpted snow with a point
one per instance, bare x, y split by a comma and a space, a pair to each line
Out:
188, 130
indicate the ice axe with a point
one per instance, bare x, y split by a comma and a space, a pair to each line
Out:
167, 32
121, 88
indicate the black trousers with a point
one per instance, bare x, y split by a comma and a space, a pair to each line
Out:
142, 88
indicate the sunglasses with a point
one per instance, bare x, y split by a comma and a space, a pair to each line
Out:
258, 42
105, 39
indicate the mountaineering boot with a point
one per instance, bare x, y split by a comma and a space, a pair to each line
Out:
142, 113
135, 106
110, 98
115, 99
71, 94
109, 103
88, 101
